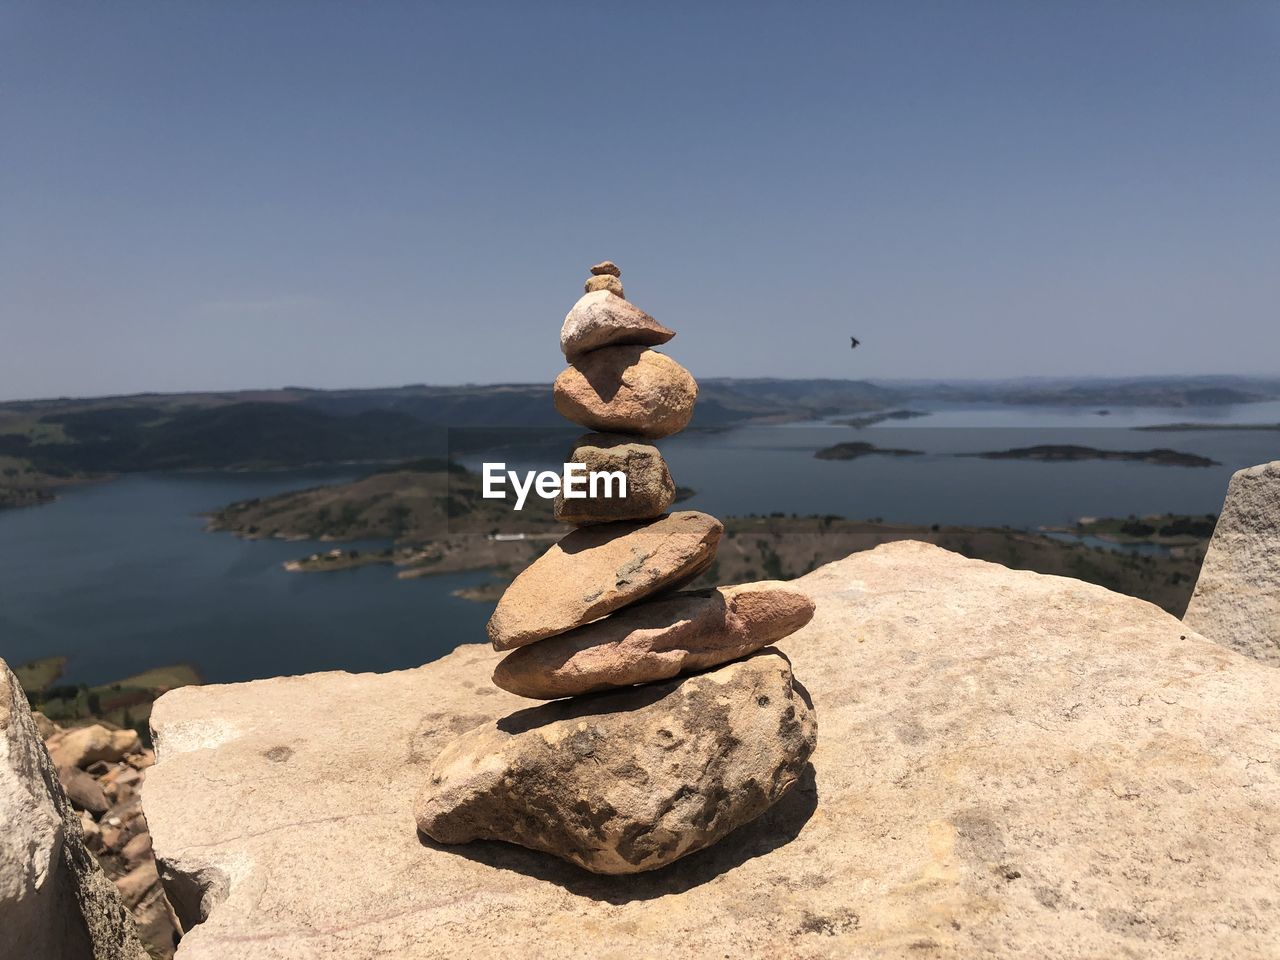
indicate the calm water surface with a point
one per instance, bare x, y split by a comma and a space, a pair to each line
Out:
121, 576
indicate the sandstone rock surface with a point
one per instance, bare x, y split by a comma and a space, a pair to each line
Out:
595, 570
656, 640
55, 901
650, 489
1010, 765
601, 319
631, 780
604, 282
1237, 598
627, 389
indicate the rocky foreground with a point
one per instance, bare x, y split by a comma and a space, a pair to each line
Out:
1011, 765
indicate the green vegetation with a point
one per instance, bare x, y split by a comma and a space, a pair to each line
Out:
1168, 529
126, 703
40, 674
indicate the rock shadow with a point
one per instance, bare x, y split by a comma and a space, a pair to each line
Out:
775, 828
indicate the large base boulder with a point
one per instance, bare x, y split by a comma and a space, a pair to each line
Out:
628, 781
1237, 598
55, 901
1011, 765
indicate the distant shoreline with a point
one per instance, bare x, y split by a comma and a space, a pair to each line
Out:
1058, 453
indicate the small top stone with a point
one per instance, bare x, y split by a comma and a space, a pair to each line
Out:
606, 268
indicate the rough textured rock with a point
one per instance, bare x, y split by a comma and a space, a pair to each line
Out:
595, 570
627, 389
601, 319
656, 640
82, 790
650, 489
631, 780
608, 283
1010, 765
55, 902
606, 267
85, 745
1237, 598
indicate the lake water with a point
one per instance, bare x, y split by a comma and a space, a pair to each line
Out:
121, 576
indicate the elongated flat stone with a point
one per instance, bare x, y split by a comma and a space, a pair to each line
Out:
627, 781
595, 570
601, 319
656, 640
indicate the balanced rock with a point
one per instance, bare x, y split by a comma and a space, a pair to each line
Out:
1237, 598
650, 490
595, 570
627, 389
600, 319
605, 282
606, 268
656, 640
628, 781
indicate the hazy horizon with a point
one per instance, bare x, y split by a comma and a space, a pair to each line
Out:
1046, 380
217, 197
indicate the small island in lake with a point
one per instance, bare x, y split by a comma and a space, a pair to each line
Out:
872, 419
1185, 427
852, 451
1059, 452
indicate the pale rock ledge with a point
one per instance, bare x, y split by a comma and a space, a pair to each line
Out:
1011, 765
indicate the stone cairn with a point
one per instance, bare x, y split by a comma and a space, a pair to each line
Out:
681, 728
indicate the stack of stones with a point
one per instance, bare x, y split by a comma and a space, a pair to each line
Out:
651, 759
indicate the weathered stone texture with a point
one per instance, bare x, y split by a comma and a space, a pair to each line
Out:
656, 640
55, 901
1237, 598
631, 780
595, 570
1010, 765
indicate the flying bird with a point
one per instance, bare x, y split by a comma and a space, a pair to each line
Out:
853, 343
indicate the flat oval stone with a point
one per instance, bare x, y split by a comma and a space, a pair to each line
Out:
650, 489
627, 389
595, 570
606, 268
600, 319
656, 640
627, 781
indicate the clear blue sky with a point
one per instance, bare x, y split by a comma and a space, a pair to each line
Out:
252, 194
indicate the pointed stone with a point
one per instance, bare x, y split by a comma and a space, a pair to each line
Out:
632, 780
627, 389
595, 570
601, 319
656, 640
